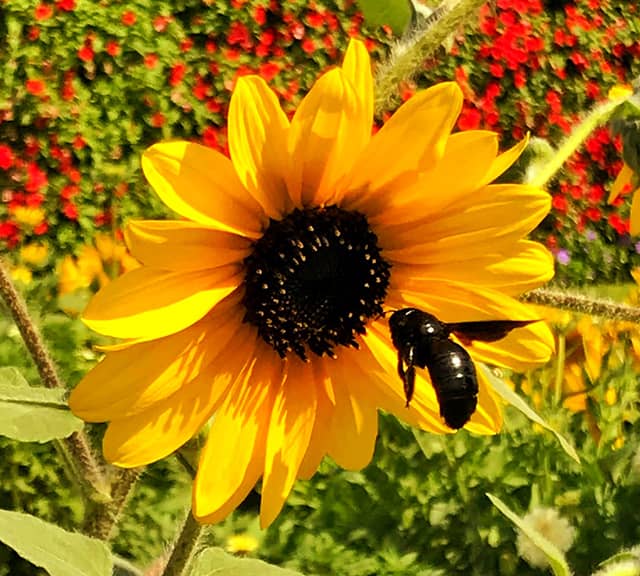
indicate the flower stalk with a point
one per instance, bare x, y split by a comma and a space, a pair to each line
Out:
75, 449
184, 548
409, 55
101, 521
583, 304
580, 133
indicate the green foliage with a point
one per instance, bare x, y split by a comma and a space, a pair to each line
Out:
59, 552
214, 561
31, 414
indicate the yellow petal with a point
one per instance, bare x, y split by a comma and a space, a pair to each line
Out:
150, 303
487, 419
202, 185
521, 266
131, 380
354, 426
318, 443
237, 440
505, 160
292, 420
357, 70
183, 245
436, 189
634, 219
323, 139
623, 178
411, 142
158, 431
258, 131
496, 215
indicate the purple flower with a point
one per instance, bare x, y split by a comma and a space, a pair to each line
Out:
637, 247
563, 257
591, 235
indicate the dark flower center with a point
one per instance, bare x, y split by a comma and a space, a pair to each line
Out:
313, 281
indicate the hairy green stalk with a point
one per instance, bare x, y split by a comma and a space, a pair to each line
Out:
185, 547
408, 56
599, 115
76, 451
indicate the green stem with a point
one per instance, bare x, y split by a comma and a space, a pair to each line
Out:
104, 516
184, 548
76, 448
408, 57
583, 304
560, 364
580, 133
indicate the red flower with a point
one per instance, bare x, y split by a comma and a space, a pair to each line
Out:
69, 191
35, 86
268, 70
308, 45
160, 23
157, 120
177, 73
86, 53
239, 35
128, 18
79, 142
210, 137
469, 119
43, 12
70, 210
66, 5
150, 60
496, 70
6, 157
36, 178
112, 48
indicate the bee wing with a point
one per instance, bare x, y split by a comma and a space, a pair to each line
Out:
486, 330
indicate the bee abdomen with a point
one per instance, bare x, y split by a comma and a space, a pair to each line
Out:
454, 379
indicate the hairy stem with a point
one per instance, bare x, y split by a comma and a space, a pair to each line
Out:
184, 548
101, 520
75, 449
408, 56
580, 133
583, 304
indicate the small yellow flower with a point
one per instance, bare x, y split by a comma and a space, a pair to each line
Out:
264, 304
22, 274
29, 216
619, 92
241, 544
108, 248
35, 254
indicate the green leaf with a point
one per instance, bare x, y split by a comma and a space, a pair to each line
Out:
33, 414
215, 561
396, 14
518, 403
557, 562
57, 551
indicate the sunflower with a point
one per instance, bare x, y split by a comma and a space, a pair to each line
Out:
265, 305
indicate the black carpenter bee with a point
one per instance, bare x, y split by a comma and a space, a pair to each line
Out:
423, 341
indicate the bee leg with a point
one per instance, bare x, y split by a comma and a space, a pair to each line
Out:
409, 383
408, 376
